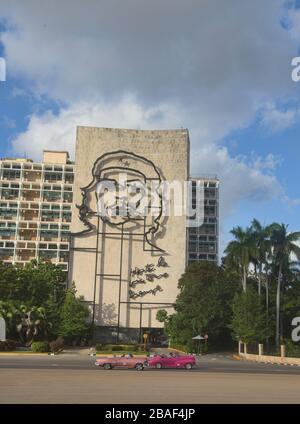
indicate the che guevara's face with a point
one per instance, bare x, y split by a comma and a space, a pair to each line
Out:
121, 200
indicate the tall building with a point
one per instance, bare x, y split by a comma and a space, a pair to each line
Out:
35, 209
203, 237
126, 266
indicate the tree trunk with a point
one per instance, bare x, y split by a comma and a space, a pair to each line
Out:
244, 279
278, 306
259, 278
267, 311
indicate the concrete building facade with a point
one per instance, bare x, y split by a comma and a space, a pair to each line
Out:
203, 238
35, 209
127, 269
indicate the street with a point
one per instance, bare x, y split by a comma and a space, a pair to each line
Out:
71, 378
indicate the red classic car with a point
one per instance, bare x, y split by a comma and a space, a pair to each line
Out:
173, 360
123, 361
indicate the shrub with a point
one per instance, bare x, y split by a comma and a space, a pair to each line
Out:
40, 347
8, 345
117, 348
99, 346
292, 350
57, 345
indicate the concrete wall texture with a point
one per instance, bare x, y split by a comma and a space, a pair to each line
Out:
149, 154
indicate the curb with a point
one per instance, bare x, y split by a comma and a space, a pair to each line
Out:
266, 362
24, 353
177, 350
236, 357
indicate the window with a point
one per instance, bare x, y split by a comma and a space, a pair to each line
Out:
11, 174
53, 176
69, 178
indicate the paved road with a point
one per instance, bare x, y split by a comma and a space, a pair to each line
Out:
74, 379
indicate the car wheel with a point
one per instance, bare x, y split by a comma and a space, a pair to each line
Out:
107, 366
158, 365
188, 366
139, 367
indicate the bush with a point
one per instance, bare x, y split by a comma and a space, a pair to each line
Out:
99, 347
117, 348
8, 345
179, 347
40, 347
57, 345
292, 350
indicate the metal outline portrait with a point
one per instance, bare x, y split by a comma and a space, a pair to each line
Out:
85, 212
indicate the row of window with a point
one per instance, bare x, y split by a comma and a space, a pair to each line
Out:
35, 187
201, 257
200, 247
49, 196
14, 174
202, 238
37, 167
41, 246
5, 254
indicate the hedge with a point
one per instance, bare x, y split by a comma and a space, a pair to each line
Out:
40, 347
8, 345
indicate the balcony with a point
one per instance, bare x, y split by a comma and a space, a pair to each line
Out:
9, 194
30, 195
7, 234
50, 216
11, 174
8, 214
6, 254
52, 176
27, 234
29, 215
52, 196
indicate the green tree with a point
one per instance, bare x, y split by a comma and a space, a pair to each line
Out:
73, 316
284, 245
40, 281
10, 287
37, 285
240, 251
261, 239
249, 318
205, 293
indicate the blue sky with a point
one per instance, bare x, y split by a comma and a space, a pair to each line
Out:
223, 74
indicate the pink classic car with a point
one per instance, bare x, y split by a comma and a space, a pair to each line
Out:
173, 360
123, 361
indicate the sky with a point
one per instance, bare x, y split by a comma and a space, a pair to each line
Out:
221, 68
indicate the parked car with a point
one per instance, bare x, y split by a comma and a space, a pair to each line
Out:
173, 360
123, 361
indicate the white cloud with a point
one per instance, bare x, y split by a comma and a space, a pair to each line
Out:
277, 120
239, 179
59, 131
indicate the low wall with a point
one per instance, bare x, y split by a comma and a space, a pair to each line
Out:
267, 359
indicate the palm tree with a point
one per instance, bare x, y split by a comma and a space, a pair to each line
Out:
261, 239
283, 244
240, 251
